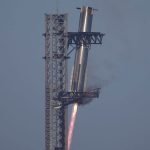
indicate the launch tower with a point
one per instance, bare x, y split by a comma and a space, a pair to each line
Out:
55, 80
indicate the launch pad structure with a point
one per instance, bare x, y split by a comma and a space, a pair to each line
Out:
58, 42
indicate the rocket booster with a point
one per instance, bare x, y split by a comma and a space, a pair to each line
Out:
81, 54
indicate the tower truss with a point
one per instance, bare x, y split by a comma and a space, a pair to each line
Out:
55, 80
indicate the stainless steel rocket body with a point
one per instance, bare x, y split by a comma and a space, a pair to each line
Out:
81, 55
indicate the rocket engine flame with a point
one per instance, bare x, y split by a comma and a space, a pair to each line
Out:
72, 124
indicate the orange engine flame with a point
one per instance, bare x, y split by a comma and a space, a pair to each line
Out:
72, 124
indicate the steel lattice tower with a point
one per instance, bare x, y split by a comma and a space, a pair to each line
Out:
55, 80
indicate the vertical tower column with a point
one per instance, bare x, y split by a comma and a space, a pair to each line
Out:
55, 80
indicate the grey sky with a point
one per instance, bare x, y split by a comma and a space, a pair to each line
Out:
120, 118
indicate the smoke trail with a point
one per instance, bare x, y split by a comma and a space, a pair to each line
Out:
72, 124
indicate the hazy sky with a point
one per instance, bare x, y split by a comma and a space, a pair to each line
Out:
120, 118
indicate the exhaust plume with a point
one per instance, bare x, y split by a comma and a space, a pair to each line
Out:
72, 124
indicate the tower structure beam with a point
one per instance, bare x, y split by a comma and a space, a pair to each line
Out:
55, 80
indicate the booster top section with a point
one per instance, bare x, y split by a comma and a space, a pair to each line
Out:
87, 9
86, 15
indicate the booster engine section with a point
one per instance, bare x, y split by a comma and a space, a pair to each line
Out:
81, 54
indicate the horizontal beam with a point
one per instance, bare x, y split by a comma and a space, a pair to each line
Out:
85, 38
66, 98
